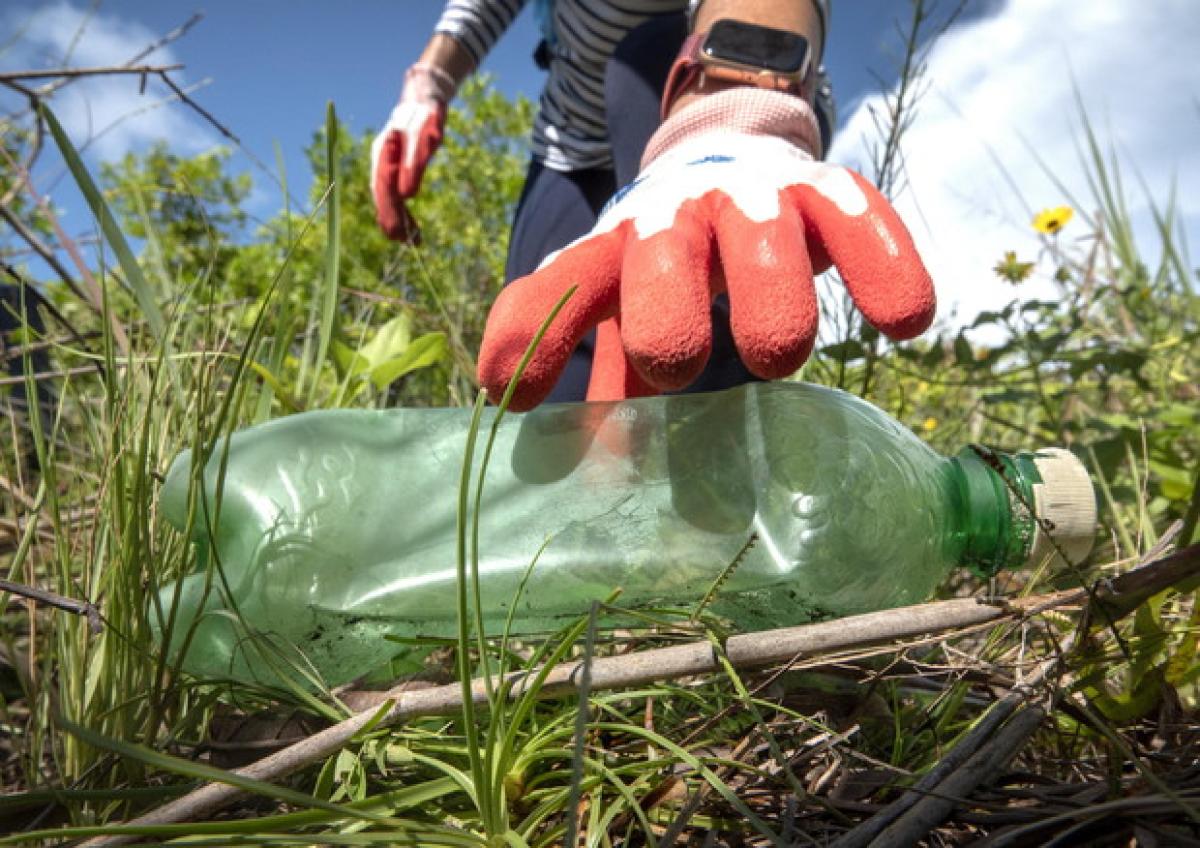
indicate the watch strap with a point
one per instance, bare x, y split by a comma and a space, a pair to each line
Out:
690, 64
684, 71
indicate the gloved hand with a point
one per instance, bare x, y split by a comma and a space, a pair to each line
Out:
729, 199
403, 148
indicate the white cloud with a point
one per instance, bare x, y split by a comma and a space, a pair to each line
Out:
1002, 94
108, 114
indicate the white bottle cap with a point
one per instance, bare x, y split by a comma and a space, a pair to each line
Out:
1065, 505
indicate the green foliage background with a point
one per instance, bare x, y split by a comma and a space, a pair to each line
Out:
201, 244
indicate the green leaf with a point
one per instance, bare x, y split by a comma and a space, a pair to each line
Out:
1179, 415
1175, 483
1125, 362
389, 342
996, 317
424, 351
963, 354
349, 361
847, 351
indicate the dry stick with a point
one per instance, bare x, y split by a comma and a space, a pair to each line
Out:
65, 76
221, 128
52, 599
751, 650
13, 76
174, 35
42, 250
38, 376
692, 804
93, 295
1133, 585
45, 528
179, 31
934, 780
40, 299
18, 494
933, 809
1141, 805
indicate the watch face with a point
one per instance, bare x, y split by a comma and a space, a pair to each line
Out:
756, 46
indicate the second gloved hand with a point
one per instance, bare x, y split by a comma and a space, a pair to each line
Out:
729, 199
402, 149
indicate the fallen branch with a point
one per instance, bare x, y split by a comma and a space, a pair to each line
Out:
751, 650
61, 80
1120, 596
931, 810
1141, 805
934, 784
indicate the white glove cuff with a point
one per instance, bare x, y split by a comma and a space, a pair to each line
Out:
750, 111
428, 83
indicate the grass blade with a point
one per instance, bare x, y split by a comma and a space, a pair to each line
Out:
134, 277
329, 291
200, 771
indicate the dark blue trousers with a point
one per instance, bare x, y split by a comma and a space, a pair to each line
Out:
17, 311
556, 208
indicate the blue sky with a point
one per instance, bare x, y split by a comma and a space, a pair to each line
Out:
1001, 92
270, 66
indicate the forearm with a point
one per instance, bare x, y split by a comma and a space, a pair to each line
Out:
448, 55
465, 32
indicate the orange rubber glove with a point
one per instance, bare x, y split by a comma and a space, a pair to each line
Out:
402, 149
730, 199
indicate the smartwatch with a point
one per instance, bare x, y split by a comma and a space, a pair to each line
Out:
744, 53
822, 7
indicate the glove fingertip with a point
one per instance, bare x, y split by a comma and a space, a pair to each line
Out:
396, 223
590, 268
498, 362
505, 340
862, 234
901, 310
905, 320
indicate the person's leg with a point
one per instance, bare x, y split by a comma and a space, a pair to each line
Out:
555, 209
18, 312
633, 87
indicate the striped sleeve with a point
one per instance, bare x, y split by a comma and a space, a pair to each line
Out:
477, 24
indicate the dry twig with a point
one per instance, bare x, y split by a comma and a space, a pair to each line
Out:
74, 73
51, 599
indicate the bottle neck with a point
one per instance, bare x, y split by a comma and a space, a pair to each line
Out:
994, 496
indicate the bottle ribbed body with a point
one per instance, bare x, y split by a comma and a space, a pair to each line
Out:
337, 528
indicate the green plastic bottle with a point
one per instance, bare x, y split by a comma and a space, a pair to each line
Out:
337, 528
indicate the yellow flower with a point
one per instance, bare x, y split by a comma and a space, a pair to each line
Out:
930, 424
1050, 221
